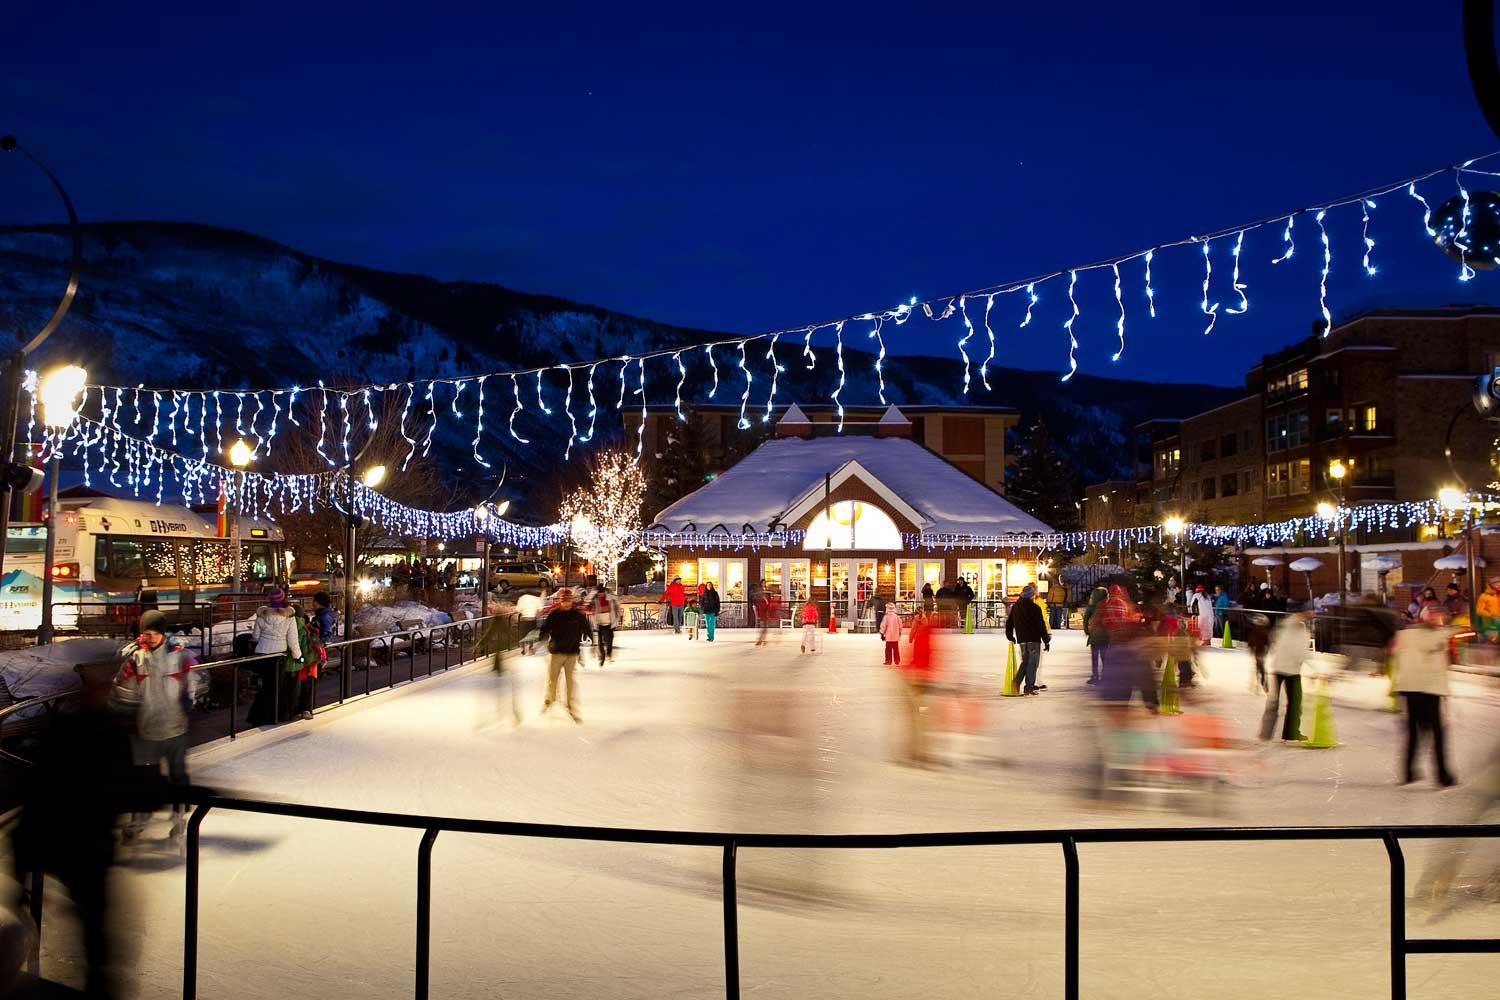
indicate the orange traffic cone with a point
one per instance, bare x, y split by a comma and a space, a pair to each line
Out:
833, 622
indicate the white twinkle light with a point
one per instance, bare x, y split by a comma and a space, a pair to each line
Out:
1234, 281
593, 406
984, 369
1068, 326
681, 378
541, 404
838, 329
1212, 312
432, 416
1119, 323
1411, 189
1286, 237
624, 371
745, 397
515, 387
411, 392
478, 423
1150, 292
1323, 278
568, 409
709, 350
807, 351
963, 309
776, 370
880, 357
1031, 300
1460, 239
640, 434
1364, 207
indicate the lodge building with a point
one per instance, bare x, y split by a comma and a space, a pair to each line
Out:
852, 519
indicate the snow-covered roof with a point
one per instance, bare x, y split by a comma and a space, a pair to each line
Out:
771, 479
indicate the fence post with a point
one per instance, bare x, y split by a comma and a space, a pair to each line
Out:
731, 926
424, 912
1070, 920
1398, 916
234, 698
190, 908
38, 884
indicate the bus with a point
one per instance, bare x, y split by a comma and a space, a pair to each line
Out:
108, 550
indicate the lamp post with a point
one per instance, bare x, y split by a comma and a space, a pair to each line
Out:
59, 392
1339, 473
240, 456
1454, 500
482, 514
1175, 526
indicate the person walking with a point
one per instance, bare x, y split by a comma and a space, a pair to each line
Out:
1096, 637
604, 608
564, 629
675, 599
1057, 604
155, 677
809, 627
1027, 627
890, 631
1290, 645
760, 600
1420, 654
274, 633
709, 605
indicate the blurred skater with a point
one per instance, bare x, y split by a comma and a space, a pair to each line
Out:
1127, 656
1291, 645
604, 609
809, 627
565, 629
918, 675
1203, 606
1027, 627
1096, 637
890, 631
1421, 658
154, 682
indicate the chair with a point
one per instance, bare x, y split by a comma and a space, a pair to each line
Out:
866, 621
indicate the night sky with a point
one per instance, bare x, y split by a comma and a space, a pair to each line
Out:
780, 165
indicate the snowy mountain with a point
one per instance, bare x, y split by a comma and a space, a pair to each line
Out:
197, 306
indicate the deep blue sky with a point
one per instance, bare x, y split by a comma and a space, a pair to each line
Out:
777, 164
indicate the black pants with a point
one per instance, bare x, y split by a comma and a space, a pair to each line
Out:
1290, 728
1096, 660
606, 642
1425, 711
1184, 673
263, 708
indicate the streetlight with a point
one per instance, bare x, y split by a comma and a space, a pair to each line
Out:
1175, 526
240, 456
1455, 499
59, 392
373, 476
483, 512
1339, 473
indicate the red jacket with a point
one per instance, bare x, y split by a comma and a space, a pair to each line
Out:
919, 665
675, 595
809, 613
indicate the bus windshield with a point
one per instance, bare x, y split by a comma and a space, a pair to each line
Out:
27, 539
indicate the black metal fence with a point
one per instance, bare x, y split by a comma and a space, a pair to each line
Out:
729, 843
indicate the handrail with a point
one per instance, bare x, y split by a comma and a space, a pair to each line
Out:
730, 843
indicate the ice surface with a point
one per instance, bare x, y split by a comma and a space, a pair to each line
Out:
676, 735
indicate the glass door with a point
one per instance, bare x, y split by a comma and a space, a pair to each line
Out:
838, 586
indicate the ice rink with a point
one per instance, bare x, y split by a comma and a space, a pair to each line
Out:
683, 734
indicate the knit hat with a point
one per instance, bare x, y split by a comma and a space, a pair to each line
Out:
153, 621
1028, 591
276, 597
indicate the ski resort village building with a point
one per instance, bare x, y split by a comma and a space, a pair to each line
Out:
852, 519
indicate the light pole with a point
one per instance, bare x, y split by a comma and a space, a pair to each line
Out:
1455, 499
482, 514
59, 392
1175, 526
1339, 473
240, 456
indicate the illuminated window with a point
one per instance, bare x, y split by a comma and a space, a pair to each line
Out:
855, 525
911, 574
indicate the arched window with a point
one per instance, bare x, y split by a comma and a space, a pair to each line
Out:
855, 525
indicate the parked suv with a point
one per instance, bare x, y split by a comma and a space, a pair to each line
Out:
512, 575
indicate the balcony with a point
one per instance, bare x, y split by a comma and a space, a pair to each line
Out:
1339, 432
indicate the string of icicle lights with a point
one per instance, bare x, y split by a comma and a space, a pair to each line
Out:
1366, 517
146, 471
163, 415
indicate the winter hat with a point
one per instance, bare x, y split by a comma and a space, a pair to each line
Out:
276, 597
1028, 591
153, 621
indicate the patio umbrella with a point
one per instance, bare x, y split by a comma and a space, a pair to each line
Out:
1381, 564
1267, 562
1456, 561
1305, 566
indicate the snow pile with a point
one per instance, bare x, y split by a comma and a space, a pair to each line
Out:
38, 671
373, 619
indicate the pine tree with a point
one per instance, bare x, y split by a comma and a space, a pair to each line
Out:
682, 465
1044, 483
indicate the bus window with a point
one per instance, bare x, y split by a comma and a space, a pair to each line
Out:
26, 540
258, 562
125, 558
211, 563
136, 558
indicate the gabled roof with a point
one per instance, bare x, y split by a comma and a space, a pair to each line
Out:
765, 486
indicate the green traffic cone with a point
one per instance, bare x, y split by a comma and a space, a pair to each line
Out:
1228, 642
969, 620
1009, 690
1323, 735
1167, 703
1393, 702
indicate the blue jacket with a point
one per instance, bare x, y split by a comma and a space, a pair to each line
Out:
327, 623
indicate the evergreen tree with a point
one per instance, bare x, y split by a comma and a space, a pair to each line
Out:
682, 465
1044, 483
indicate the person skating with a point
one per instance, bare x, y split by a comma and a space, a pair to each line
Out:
918, 675
760, 600
1221, 609
1027, 627
929, 598
1127, 659
604, 608
1203, 606
1057, 604
155, 679
1487, 613
565, 629
675, 599
1290, 645
709, 605
1096, 637
274, 633
890, 631
1421, 659
1258, 625
809, 618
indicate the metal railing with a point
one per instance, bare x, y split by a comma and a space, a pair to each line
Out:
730, 843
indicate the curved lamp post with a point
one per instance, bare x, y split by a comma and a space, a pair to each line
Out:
60, 392
240, 456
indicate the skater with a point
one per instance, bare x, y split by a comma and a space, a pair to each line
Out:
1057, 604
890, 631
1221, 609
1421, 657
709, 605
1096, 636
155, 680
1203, 606
1290, 645
565, 629
929, 599
761, 602
809, 627
275, 635
676, 600
1026, 626
1487, 613
605, 610
1127, 658
917, 677
1258, 633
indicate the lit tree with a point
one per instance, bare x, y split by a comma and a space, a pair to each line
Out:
605, 514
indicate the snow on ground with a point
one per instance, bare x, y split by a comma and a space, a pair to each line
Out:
297, 908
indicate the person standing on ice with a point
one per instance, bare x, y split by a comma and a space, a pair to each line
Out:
565, 629
1421, 658
275, 635
1027, 627
709, 605
1097, 637
675, 599
890, 631
809, 627
1203, 606
155, 678
1291, 643
604, 608
1221, 608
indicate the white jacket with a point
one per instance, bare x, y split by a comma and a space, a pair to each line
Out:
1291, 647
1202, 605
275, 631
1421, 656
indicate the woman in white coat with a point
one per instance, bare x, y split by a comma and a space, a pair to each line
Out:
1291, 645
1421, 658
274, 631
1202, 605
